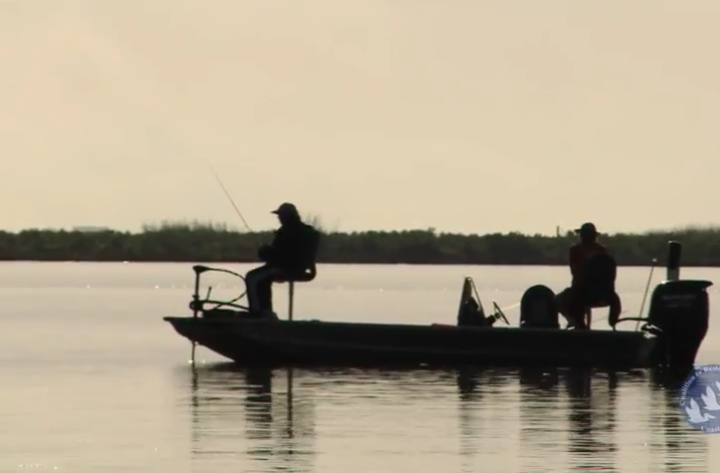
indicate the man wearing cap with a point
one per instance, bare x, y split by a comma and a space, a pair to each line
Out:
571, 301
291, 254
585, 249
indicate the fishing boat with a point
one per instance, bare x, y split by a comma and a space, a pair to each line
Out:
670, 334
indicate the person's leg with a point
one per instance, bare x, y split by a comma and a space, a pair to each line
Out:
259, 283
570, 306
251, 282
615, 309
562, 301
577, 307
264, 292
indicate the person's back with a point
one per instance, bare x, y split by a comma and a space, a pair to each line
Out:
295, 247
580, 254
597, 283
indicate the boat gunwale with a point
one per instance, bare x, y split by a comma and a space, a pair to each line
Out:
235, 321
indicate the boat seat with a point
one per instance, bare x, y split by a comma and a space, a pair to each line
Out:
306, 276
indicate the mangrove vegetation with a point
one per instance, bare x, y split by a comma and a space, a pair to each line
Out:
215, 243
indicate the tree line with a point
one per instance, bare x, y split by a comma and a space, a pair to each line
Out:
216, 243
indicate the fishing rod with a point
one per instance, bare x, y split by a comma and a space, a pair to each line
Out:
237, 211
227, 194
647, 289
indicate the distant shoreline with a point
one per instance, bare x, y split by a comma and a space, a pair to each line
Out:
215, 244
256, 262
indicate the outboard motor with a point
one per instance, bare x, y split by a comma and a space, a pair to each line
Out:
538, 308
681, 310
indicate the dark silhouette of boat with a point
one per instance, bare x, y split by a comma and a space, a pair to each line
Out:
669, 337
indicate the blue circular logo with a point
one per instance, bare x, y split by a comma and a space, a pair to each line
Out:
700, 399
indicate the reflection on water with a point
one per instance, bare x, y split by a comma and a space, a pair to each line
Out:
278, 429
681, 450
539, 400
88, 390
591, 420
523, 421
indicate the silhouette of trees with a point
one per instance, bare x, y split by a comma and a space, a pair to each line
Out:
212, 242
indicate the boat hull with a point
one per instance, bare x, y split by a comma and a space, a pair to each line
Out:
261, 342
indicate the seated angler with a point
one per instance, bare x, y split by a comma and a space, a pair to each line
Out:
593, 272
290, 255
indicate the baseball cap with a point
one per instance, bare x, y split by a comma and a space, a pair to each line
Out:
286, 209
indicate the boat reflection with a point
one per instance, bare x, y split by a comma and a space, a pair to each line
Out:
592, 439
524, 420
278, 430
679, 448
540, 397
575, 413
477, 387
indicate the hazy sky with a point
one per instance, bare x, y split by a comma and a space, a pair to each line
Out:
469, 116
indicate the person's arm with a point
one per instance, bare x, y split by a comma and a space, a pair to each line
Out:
268, 252
574, 260
292, 247
280, 249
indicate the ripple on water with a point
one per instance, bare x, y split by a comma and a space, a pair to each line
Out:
89, 385
451, 420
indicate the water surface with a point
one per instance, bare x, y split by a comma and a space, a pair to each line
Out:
94, 380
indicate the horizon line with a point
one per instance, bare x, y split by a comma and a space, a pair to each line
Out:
195, 225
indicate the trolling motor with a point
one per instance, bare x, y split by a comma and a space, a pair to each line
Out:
221, 308
679, 315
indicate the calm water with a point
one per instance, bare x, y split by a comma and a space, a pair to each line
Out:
94, 380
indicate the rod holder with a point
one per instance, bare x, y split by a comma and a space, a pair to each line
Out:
195, 305
673, 261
